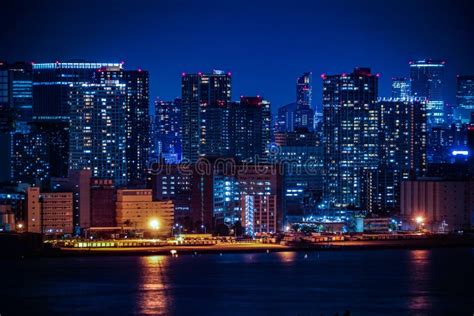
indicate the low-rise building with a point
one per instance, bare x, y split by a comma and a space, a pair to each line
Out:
136, 210
50, 213
437, 204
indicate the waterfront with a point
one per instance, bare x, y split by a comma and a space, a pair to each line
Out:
365, 282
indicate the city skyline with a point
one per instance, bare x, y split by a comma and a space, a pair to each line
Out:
255, 53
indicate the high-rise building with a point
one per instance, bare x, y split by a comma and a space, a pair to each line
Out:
137, 118
203, 97
402, 152
16, 101
167, 130
249, 129
52, 83
285, 119
401, 88
300, 154
29, 157
98, 135
304, 114
350, 134
465, 98
427, 81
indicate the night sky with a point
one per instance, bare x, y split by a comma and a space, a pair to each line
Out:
265, 44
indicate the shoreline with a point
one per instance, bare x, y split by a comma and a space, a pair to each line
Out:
428, 243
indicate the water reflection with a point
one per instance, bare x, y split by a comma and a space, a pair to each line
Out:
152, 288
287, 256
419, 270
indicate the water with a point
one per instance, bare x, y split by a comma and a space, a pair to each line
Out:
372, 282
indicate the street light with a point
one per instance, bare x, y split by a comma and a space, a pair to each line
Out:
419, 220
154, 224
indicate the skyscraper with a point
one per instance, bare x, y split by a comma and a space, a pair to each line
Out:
401, 88
285, 119
16, 101
98, 129
402, 152
203, 96
304, 114
137, 118
427, 80
465, 98
350, 134
167, 130
250, 129
52, 83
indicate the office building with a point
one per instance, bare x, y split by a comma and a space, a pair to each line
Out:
16, 101
300, 156
136, 210
52, 83
98, 135
137, 118
465, 98
402, 152
285, 119
249, 129
167, 130
203, 98
427, 81
102, 203
304, 113
401, 88
49, 213
350, 135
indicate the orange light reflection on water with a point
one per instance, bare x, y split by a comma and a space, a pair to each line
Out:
152, 292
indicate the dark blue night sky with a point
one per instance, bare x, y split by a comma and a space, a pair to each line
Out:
265, 44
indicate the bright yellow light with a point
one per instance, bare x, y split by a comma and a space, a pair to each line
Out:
154, 224
419, 219
20, 226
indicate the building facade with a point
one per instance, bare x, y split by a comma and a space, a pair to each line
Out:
441, 205
465, 98
427, 81
49, 213
135, 210
350, 134
401, 88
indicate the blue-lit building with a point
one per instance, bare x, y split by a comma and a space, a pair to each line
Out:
249, 129
402, 153
465, 99
427, 81
98, 132
16, 101
203, 98
137, 118
443, 140
304, 113
401, 88
167, 130
350, 135
285, 119
300, 155
52, 84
